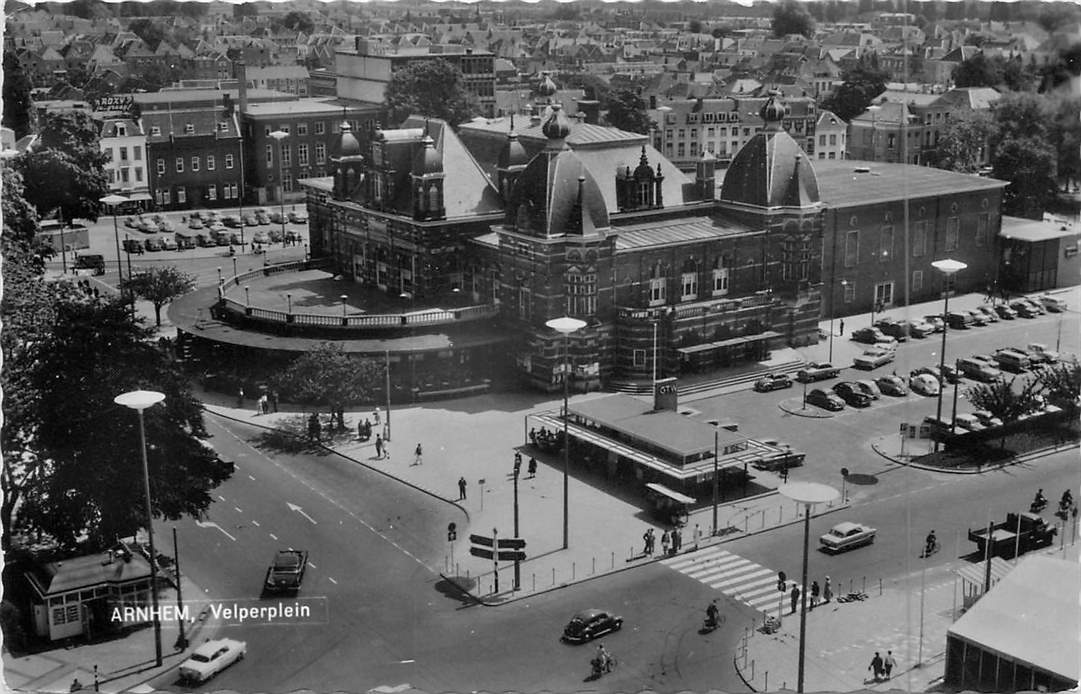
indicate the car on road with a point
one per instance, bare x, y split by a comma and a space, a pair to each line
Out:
589, 624
874, 357
921, 328
1024, 308
924, 384
897, 329
988, 313
872, 336
772, 382
1053, 304
826, 400
978, 369
852, 394
892, 385
1005, 312
90, 261
817, 371
298, 217
286, 571
968, 421
211, 658
868, 386
936, 320
847, 535
960, 320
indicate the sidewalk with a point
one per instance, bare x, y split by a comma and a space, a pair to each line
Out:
841, 639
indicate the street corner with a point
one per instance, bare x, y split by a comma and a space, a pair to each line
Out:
797, 408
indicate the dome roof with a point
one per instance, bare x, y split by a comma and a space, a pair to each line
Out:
771, 170
348, 145
547, 87
513, 153
427, 160
557, 195
773, 111
556, 127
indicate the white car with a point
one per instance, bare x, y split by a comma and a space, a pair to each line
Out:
211, 658
924, 384
847, 535
874, 357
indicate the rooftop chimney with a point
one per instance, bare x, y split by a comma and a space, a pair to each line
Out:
241, 71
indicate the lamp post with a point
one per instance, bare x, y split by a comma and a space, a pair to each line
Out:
566, 326
716, 481
808, 494
948, 267
386, 428
344, 297
140, 400
878, 304
289, 303
844, 284
112, 202
280, 135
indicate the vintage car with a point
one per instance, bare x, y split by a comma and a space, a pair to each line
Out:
924, 384
589, 624
847, 535
852, 394
817, 371
826, 400
872, 336
892, 385
874, 358
772, 382
211, 658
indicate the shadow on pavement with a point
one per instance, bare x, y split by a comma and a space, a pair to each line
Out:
290, 435
861, 479
457, 587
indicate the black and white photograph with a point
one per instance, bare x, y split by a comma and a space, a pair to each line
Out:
417, 346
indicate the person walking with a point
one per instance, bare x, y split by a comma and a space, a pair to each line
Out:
795, 598
274, 401
646, 549
418, 456
842, 326
264, 405
888, 663
240, 397
814, 594
677, 540
378, 447
532, 467
665, 540
461, 489
876, 667
697, 535
827, 591
313, 427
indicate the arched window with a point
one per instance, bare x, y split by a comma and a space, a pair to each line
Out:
658, 285
720, 275
581, 291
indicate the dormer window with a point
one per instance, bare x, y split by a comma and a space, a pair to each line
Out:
121, 130
223, 127
189, 129
155, 130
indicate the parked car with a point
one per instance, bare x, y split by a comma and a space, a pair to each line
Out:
847, 535
260, 237
852, 394
90, 261
276, 217
960, 320
826, 400
1053, 304
1005, 312
231, 220
978, 370
951, 372
1024, 308
169, 243
868, 386
968, 421
936, 320
1013, 360
817, 371
215, 227
275, 235
978, 319
1035, 303
195, 223
921, 328
132, 246
262, 216
924, 384
153, 244
130, 222
892, 385
165, 226
292, 236
897, 329
147, 225
249, 219
931, 370
872, 336
874, 357
772, 382
298, 217
987, 419
1039, 352
988, 313
211, 658
589, 624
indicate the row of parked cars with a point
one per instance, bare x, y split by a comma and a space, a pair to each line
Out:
215, 236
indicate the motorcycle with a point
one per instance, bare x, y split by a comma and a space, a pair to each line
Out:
709, 624
1037, 505
601, 666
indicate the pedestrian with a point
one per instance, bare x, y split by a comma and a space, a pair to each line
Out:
418, 456
313, 427
378, 447
533, 436
814, 594
264, 406
273, 401
697, 535
888, 664
795, 598
240, 397
532, 467
461, 488
647, 550
827, 591
842, 326
677, 540
876, 666
666, 538
375, 416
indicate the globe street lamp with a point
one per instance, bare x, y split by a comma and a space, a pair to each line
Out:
140, 400
566, 326
948, 267
280, 135
808, 494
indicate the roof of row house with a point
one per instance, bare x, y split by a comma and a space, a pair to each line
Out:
850, 182
173, 123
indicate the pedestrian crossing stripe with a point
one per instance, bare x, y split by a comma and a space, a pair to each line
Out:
736, 577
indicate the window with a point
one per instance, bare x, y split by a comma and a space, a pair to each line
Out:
657, 290
689, 283
123, 154
919, 239
287, 183
320, 153
228, 161
137, 153
124, 175
161, 167
210, 163
639, 357
849, 291
155, 130
320, 127
287, 155
982, 222
267, 131
525, 303
833, 155
284, 129
223, 127
138, 174
121, 130
581, 291
852, 248
720, 277
821, 140
302, 155
269, 155
180, 164
212, 192
195, 163
917, 280
953, 232
885, 243
302, 129
189, 129
181, 195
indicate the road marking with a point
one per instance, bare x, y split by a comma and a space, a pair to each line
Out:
255, 523
251, 478
740, 579
273, 537
212, 524
332, 580
238, 509
221, 498
312, 564
297, 509
404, 662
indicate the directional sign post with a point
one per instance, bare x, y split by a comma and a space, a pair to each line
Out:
452, 535
508, 549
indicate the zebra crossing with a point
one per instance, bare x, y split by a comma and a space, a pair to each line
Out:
731, 574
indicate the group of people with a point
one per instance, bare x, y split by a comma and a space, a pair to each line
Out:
882, 667
671, 541
545, 439
823, 592
532, 469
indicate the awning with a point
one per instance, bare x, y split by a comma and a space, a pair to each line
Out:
729, 342
136, 197
671, 494
976, 574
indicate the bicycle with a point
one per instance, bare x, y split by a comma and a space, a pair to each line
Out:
928, 550
855, 596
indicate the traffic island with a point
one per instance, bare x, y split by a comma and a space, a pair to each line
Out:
796, 406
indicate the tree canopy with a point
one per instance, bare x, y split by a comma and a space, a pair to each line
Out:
430, 88
791, 17
329, 377
159, 286
16, 95
627, 111
860, 85
993, 71
66, 171
964, 141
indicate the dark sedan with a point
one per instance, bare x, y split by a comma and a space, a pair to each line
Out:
1005, 312
852, 394
892, 385
589, 624
772, 382
826, 400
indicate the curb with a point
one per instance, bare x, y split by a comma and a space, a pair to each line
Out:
803, 412
1016, 460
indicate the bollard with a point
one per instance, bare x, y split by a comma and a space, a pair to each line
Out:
765, 687
572, 570
780, 513
763, 518
613, 560
553, 575
746, 520
880, 586
864, 588
467, 574
534, 582
594, 565
752, 669
457, 569
850, 584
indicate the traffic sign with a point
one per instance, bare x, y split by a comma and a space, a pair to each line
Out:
481, 540
511, 555
511, 543
480, 552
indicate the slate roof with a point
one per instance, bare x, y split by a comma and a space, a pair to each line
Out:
976, 98
676, 231
58, 577
840, 185
204, 122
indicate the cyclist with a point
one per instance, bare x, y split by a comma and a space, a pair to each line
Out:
604, 658
1066, 501
712, 614
1040, 499
932, 542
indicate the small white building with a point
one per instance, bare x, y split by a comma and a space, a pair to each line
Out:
831, 133
124, 142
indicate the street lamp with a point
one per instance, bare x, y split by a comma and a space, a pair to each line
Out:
280, 135
808, 494
112, 202
566, 326
139, 400
344, 297
948, 267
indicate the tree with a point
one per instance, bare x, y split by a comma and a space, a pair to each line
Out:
1066, 136
430, 88
1061, 384
159, 286
16, 95
791, 17
299, 21
76, 471
627, 111
978, 71
1030, 165
861, 85
329, 377
67, 170
964, 141
1003, 401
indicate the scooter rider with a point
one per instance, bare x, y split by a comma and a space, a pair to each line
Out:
932, 542
603, 659
1040, 499
1066, 501
712, 614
